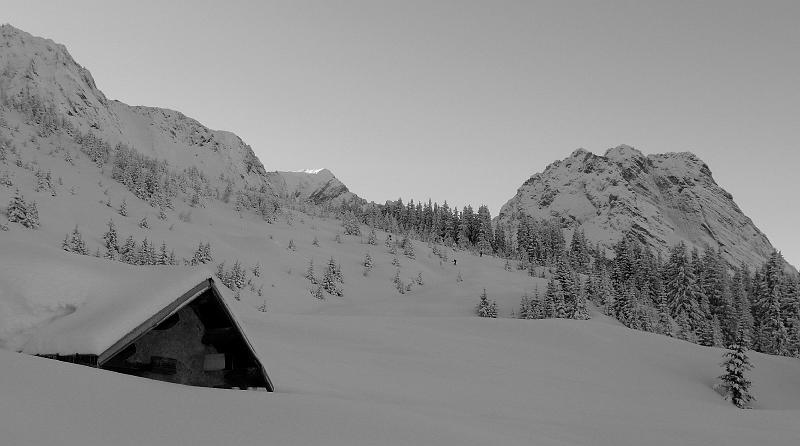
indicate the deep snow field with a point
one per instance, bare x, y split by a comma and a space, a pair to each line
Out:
373, 367
376, 367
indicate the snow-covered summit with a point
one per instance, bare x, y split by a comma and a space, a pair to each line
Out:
315, 185
663, 198
40, 73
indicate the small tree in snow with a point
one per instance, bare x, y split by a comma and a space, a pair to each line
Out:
23, 213
74, 243
372, 239
257, 269
408, 247
332, 278
310, 272
734, 385
318, 292
143, 223
368, 264
350, 224
398, 282
486, 308
315, 242
111, 240
291, 246
123, 208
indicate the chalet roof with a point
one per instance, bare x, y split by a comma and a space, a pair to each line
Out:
97, 302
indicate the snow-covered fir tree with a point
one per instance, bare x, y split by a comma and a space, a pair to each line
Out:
734, 384
309, 274
22, 212
367, 263
74, 243
485, 307
332, 278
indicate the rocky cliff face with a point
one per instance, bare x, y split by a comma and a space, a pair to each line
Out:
315, 185
663, 198
39, 71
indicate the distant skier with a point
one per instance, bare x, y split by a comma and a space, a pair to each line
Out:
454, 262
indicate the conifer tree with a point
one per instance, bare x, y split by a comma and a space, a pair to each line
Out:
238, 275
310, 272
773, 337
525, 307
367, 263
372, 239
408, 247
735, 385
664, 322
257, 269
21, 212
110, 238
143, 223
123, 208
554, 300
581, 312
128, 250
681, 288
331, 279
33, 216
17, 209
486, 308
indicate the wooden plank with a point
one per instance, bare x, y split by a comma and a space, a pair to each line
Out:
163, 365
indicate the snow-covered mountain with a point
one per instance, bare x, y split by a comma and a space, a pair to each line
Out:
663, 198
41, 73
315, 185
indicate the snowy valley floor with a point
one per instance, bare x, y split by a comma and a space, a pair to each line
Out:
375, 367
376, 380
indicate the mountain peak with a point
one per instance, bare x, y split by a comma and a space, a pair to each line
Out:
314, 171
662, 198
315, 185
41, 71
622, 153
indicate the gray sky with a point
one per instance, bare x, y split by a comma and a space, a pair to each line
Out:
459, 100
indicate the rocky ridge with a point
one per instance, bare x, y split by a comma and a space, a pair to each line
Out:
662, 198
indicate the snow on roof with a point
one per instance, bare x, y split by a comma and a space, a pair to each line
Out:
68, 303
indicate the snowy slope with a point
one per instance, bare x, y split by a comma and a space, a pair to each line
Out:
357, 380
662, 198
315, 185
42, 68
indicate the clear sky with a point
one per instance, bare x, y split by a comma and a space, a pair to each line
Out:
462, 100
